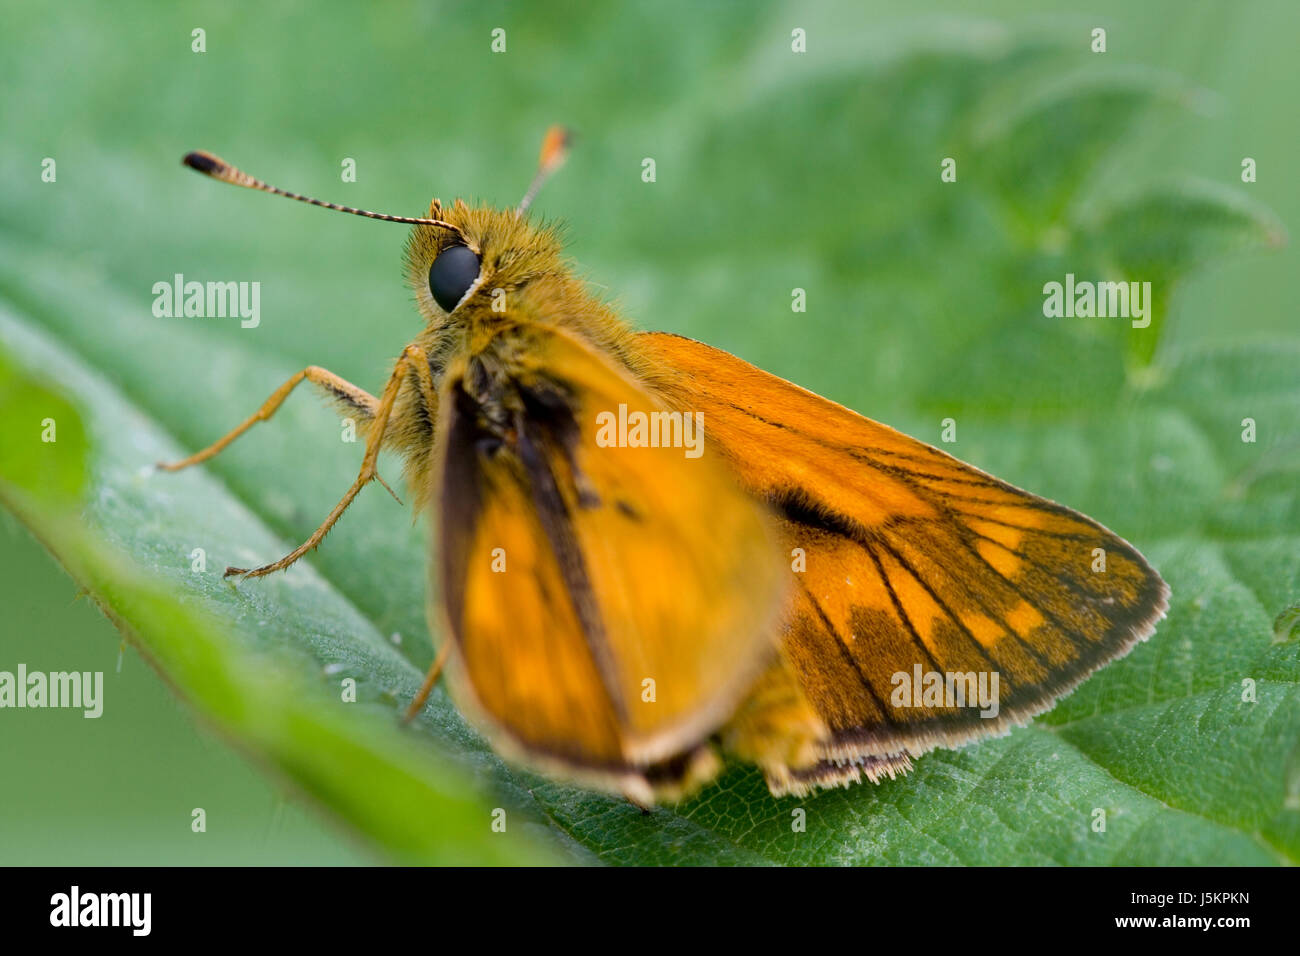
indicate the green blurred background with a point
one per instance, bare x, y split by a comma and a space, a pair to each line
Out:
411, 92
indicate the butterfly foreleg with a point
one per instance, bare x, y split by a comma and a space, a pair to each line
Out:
338, 388
411, 362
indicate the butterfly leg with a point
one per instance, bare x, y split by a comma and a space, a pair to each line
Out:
431, 678
411, 361
339, 388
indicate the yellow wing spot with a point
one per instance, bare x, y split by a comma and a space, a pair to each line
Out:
983, 628
1017, 514
1009, 538
1024, 618
1000, 559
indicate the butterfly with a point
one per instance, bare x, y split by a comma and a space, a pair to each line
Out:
649, 554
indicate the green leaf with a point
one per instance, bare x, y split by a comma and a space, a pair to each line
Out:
226, 654
925, 302
1165, 232
44, 455
1043, 130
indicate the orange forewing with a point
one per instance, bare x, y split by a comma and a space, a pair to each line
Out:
911, 559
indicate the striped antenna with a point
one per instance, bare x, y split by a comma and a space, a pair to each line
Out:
218, 168
555, 150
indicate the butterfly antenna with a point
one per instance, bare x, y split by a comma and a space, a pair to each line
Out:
218, 168
555, 150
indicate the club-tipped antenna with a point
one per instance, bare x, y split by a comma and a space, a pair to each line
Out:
218, 168
555, 150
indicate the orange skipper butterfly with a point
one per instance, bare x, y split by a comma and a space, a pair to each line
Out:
648, 552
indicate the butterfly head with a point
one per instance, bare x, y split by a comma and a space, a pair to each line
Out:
482, 259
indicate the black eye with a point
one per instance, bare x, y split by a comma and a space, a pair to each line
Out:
451, 275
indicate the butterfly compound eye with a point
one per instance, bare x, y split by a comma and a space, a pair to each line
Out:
451, 275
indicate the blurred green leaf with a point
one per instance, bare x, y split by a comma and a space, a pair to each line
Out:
1165, 232
44, 452
1041, 133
